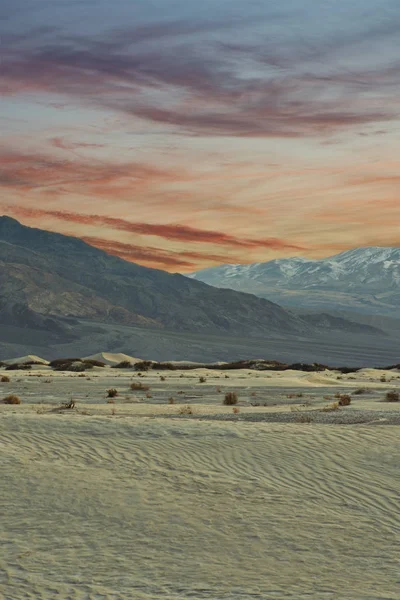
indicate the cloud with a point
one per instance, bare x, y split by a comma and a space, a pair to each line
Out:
154, 257
175, 232
167, 73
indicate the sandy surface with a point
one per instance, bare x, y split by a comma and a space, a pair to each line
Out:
133, 500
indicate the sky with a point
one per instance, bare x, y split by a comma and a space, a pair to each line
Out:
182, 134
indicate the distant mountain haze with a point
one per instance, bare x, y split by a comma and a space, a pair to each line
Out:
364, 279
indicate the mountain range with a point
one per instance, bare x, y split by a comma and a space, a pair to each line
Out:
59, 295
365, 280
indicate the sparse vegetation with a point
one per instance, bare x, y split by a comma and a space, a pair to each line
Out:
304, 418
162, 378
139, 386
11, 399
230, 398
112, 393
202, 379
236, 410
331, 407
5, 379
185, 410
360, 391
171, 400
125, 364
392, 397
18, 367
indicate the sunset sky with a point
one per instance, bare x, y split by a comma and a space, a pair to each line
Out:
182, 134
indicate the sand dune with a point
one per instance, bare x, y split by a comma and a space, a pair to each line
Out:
23, 359
112, 359
143, 504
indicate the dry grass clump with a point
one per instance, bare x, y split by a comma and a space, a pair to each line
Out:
230, 398
5, 379
162, 378
344, 400
171, 400
112, 393
202, 379
186, 410
236, 410
392, 397
331, 407
139, 386
11, 399
360, 391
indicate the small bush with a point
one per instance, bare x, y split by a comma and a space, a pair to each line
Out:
11, 399
392, 397
112, 393
202, 379
162, 378
139, 387
5, 379
148, 395
360, 391
171, 400
230, 398
236, 410
125, 364
344, 400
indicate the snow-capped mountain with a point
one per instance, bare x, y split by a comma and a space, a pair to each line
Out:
365, 279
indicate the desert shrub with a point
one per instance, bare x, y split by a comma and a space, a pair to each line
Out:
11, 399
148, 395
344, 400
5, 379
125, 364
392, 397
202, 379
17, 367
138, 386
33, 362
61, 361
360, 391
111, 393
143, 365
171, 400
162, 378
236, 410
230, 398
76, 366
93, 362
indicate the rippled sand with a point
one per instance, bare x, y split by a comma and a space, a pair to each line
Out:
138, 505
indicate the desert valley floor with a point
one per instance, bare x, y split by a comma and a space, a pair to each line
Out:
168, 494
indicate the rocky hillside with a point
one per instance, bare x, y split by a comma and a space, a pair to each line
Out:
45, 277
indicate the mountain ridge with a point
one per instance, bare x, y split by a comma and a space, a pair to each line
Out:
367, 279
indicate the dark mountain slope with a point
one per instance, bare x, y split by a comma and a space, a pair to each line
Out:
61, 276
